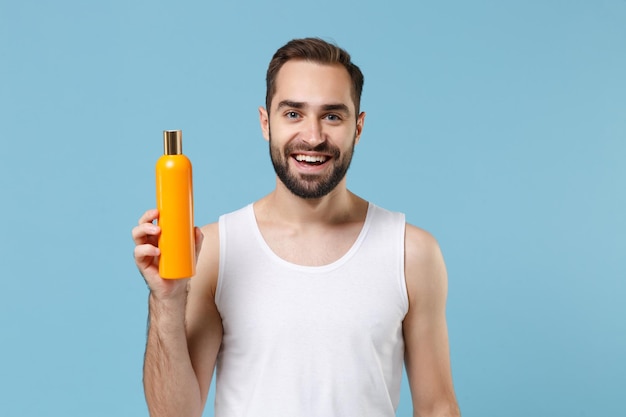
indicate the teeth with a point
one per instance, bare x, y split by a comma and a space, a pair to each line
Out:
310, 158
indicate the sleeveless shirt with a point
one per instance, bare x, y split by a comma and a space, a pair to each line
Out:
318, 341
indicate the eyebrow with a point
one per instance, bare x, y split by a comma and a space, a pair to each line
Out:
326, 107
336, 107
289, 103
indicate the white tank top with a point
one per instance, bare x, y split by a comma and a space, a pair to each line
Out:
318, 341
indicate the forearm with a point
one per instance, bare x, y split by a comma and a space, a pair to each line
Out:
452, 412
170, 383
449, 408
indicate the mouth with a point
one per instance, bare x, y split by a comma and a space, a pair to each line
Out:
311, 160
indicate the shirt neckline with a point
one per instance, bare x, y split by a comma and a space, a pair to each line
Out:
306, 268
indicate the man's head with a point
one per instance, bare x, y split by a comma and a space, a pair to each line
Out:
317, 51
312, 119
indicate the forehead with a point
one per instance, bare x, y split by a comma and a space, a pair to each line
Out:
313, 83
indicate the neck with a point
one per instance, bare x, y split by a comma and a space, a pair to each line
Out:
340, 205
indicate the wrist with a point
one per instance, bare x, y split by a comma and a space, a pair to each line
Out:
168, 308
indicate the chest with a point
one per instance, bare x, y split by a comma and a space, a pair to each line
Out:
315, 247
302, 289
359, 302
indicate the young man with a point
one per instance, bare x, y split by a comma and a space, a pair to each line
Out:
309, 300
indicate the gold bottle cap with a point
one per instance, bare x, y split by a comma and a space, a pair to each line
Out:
172, 142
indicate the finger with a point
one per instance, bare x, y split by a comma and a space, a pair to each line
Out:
146, 250
144, 254
149, 216
142, 233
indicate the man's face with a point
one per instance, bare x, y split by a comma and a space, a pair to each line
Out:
312, 127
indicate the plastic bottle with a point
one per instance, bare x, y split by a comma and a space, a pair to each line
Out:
174, 191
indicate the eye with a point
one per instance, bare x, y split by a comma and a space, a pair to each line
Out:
332, 117
292, 115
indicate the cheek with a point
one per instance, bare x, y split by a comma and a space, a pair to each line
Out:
349, 137
283, 134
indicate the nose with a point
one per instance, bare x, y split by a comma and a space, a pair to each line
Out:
313, 134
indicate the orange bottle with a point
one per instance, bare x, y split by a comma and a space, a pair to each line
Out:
174, 191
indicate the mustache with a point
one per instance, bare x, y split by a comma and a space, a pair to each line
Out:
323, 147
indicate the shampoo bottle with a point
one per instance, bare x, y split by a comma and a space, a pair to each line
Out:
174, 193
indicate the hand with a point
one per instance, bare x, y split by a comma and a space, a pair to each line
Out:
146, 237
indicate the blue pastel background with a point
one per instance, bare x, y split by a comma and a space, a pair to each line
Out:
499, 126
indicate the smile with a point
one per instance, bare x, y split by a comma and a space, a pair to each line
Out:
311, 159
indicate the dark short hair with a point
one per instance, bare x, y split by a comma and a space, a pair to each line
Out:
318, 51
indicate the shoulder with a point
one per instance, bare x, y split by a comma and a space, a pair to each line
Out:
207, 265
420, 245
211, 239
210, 250
210, 231
425, 270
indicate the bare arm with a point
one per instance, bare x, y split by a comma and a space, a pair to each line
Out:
184, 327
427, 353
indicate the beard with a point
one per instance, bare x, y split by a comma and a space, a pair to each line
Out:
310, 186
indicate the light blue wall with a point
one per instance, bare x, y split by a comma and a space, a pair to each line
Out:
498, 126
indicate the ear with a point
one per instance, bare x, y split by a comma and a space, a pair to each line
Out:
360, 120
264, 120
